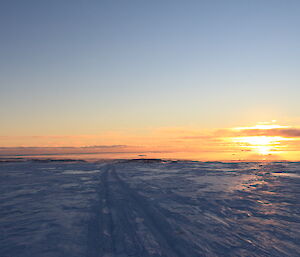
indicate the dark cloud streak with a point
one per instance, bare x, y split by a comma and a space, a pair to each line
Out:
282, 132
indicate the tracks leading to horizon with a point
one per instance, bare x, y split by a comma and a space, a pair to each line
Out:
136, 209
128, 224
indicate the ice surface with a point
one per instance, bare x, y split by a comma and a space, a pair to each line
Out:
149, 209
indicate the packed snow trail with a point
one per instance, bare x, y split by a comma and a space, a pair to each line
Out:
149, 209
129, 224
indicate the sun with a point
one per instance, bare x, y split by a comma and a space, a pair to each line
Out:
258, 138
262, 145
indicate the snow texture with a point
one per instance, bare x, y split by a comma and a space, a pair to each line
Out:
149, 208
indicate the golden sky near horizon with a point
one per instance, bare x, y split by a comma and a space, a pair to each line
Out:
263, 141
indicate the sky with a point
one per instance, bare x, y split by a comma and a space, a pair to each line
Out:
148, 74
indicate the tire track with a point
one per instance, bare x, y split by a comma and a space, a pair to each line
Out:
101, 226
170, 243
115, 229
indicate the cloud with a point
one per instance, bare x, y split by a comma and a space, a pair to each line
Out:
84, 150
282, 132
103, 146
67, 147
63, 150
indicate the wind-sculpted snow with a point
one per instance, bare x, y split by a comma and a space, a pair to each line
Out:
138, 209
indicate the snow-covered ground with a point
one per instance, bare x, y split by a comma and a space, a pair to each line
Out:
139, 209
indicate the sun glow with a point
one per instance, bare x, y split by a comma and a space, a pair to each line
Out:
262, 145
255, 140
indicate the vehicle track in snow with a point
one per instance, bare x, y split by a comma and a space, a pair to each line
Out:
128, 224
151, 209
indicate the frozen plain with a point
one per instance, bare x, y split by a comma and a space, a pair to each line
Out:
149, 208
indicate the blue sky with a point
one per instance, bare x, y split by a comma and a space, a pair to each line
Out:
82, 67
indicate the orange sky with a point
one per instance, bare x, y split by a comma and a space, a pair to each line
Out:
264, 141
